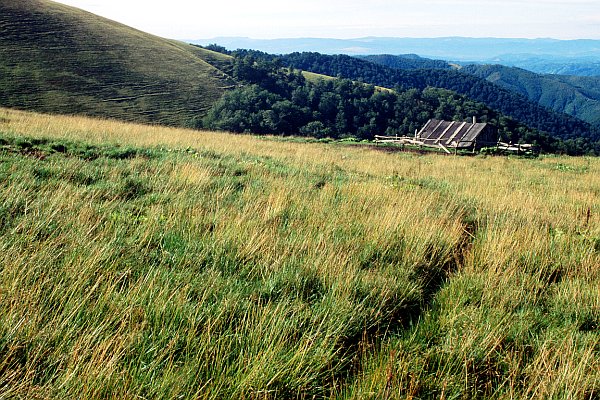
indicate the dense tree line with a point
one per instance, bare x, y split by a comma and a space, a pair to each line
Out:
277, 100
406, 61
263, 75
578, 136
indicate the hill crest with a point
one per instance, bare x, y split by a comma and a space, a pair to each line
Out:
59, 59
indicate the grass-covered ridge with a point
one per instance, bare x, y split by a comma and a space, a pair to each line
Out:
153, 262
59, 59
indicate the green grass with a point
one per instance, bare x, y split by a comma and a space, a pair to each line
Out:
148, 262
55, 58
314, 78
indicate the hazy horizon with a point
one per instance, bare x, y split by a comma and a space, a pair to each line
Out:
352, 19
394, 37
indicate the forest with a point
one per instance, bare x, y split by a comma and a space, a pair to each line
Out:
511, 104
275, 98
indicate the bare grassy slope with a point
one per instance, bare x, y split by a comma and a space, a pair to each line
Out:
59, 59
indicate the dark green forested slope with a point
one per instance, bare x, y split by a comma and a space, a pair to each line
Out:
495, 97
59, 59
275, 100
406, 61
575, 95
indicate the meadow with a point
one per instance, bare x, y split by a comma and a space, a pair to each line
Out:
148, 262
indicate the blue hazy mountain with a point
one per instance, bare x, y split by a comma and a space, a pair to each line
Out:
547, 56
447, 48
549, 64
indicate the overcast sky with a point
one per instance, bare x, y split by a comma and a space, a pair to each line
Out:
265, 19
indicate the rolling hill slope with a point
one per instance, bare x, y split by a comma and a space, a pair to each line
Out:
59, 59
575, 95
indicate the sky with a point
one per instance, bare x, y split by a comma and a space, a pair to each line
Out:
345, 19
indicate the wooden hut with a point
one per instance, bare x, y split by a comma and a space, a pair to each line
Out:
457, 135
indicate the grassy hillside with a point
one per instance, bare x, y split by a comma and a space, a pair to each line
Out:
313, 77
574, 95
55, 58
152, 262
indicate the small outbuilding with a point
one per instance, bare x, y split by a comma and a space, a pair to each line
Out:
457, 135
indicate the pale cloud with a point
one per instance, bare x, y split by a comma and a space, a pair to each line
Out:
352, 18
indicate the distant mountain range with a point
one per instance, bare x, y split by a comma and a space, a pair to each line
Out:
572, 57
546, 64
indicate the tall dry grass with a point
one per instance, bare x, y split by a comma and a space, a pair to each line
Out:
148, 262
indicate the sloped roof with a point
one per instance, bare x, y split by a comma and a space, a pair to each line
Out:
451, 133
